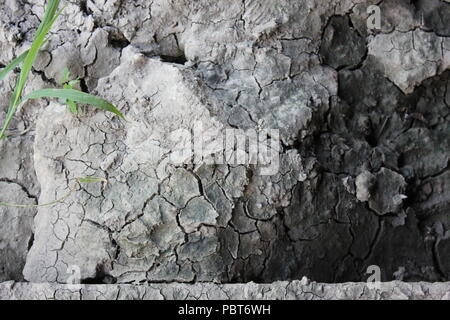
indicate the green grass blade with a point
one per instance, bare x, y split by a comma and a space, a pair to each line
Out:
50, 17
44, 28
12, 205
72, 190
12, 65
92, 179
72, 106
76, 96
65, 77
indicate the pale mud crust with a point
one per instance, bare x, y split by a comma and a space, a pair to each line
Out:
364, 148
282, 290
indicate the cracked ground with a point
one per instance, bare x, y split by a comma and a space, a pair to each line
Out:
364, 133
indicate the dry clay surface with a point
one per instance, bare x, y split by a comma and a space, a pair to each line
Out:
295, 290
364, 143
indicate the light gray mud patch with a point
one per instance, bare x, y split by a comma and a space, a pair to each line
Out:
283, 290
364, 141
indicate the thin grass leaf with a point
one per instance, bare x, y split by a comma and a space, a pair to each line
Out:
92, 179
45, 26
66, 75
11, 205
49, 14
76, 96
50, 17
69, 85
72, 106
15, 63
70, 103
73, 83
71, 190
12, 65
